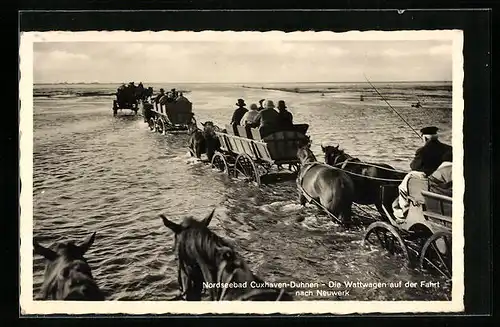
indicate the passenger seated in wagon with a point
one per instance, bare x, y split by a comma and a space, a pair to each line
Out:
239, 113
425, 166
285, 117
266, 119
249, 116
160, 95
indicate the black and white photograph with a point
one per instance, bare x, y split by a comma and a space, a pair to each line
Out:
165, 171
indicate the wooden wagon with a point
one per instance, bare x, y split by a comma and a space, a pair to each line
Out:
262, 156
169, 116
125, 105
426, 232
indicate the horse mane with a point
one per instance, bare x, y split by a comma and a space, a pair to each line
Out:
206, 241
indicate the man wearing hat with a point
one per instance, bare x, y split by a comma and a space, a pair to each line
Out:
430, 156
239, 112
159, 96
267, 118
427, 159
173, 93
285, 117
260, 104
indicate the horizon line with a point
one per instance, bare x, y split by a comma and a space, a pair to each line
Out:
243, 83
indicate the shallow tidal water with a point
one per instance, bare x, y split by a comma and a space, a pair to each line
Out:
95, 172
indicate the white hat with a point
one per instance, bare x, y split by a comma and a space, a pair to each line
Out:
269, 104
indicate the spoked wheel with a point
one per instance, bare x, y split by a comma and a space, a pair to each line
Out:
152, 124
160, 126
294, 167
385, 235
436, 254
245, 166
219, 162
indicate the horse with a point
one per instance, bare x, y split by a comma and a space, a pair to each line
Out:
207, 261
68, 275
330, 187
205, 141
367, 189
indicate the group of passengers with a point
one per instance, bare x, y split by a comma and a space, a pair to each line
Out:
433, 161
262, 116
129, 94
171, 96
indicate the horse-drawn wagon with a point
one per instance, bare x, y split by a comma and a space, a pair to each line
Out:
259, 154
125, 104
424, 236
168, 116
426, 232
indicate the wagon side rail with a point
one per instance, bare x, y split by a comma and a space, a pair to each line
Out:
437, 209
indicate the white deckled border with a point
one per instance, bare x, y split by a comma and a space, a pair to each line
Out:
29, 306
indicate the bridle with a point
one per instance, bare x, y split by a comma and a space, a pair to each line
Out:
341, 158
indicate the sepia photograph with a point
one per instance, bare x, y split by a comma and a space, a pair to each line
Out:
165, 171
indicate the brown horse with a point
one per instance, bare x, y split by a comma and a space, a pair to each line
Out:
205, 141
207, 261
367, 177
67, 273
330, 187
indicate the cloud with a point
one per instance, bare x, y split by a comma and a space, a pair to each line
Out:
66, 56
441, 50
240, 61
397, 53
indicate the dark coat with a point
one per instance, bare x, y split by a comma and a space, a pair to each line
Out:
429, 157
237, 115
266, 117
285, 118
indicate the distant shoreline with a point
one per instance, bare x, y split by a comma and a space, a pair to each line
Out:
243, 84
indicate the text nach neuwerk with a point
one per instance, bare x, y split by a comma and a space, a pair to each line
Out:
341, 289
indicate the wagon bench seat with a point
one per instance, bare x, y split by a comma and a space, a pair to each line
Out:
278, 147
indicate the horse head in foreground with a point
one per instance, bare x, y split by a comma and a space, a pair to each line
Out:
205, 259
367, 177
67, 273
331, 188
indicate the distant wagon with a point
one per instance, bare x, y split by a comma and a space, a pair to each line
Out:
168, 116
258, 156
124, 103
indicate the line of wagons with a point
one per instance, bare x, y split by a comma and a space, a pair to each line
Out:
424, 238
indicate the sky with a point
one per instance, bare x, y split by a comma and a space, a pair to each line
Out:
267, 61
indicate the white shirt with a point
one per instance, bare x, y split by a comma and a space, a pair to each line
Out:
249, 116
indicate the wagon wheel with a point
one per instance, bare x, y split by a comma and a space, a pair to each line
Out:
387, 237
219, 162
160, 126
436, 254
152, 124
245, 165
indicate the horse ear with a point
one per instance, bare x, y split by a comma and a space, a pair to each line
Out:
87, 243
44, 252
323, 148
206, 221
203, 124
337, 147
176, 228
